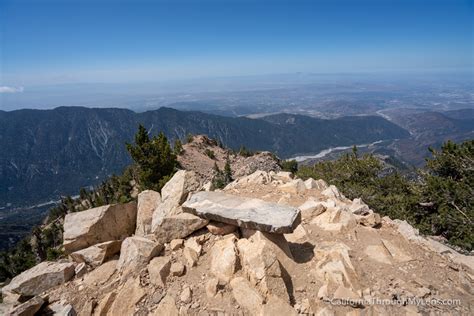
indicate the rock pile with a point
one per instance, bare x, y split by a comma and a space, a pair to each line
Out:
268, 244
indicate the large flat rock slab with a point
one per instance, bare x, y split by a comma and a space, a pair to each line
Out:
243, 212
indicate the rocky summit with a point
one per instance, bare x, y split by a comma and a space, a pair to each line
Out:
267, 244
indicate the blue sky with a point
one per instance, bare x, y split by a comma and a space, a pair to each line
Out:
55, 42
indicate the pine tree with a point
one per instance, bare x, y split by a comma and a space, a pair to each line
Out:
227, 170
178, 147
153, 158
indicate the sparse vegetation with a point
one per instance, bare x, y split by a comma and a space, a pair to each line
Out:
178, 147
154, 165
153, 158
189, 138
222, 178
210, 153
441, 202
244, 152
289, 165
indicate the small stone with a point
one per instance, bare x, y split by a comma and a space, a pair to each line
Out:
186, 295
177, 269
176, 244
211, 287
423, 292
81, 269
224, 258
166, 307
277, 306
191, 257
136, 253
194, 245
323, 292
217, 228
246, 295
159, 269
296, 186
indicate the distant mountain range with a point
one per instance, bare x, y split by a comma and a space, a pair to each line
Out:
46, 153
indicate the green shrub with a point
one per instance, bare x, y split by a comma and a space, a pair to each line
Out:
153, 159
210, 153
289, 165
441, 203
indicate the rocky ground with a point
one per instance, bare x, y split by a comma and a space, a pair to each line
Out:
329, 256
194, 158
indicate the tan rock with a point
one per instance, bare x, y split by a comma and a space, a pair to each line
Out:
310, 209
101, 274
224, 259
159, 269
194, 245
335, 220
284, 176
176, 244
323, 292
246, 296
332, 192
97, 254
166, 307
256, 178
211, 287
173, 194
61, 309
258, 258
127, 298
396, 253
97, 225
358, 207
217, 228
299, 235
40, 278
80, 270
135, 254
178, 187
177, 269
296, 186
148, 201
277, 306
334, 265
28, 308
370, 220
178, 226
378, 253
190, 256
105, 303
315, 184
186, 295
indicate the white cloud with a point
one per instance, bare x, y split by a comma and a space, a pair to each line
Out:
5, 89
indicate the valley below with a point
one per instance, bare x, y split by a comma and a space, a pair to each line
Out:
53, 153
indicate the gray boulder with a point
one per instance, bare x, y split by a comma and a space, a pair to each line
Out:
243, 212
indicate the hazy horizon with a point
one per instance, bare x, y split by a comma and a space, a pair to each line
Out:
101, 53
